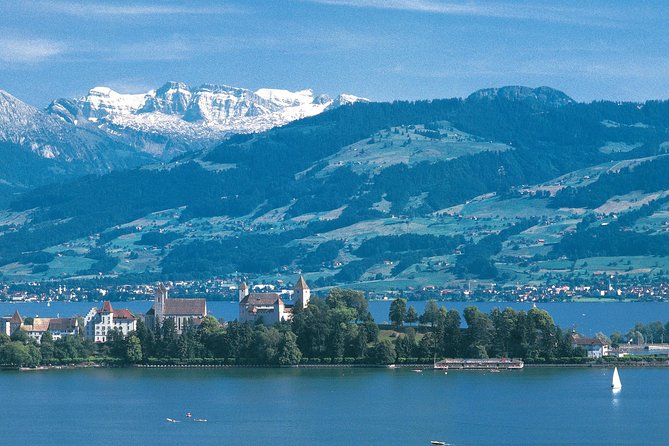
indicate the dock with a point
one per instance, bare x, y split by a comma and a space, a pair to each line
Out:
480, 364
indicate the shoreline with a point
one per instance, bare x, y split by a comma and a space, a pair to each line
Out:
421, 367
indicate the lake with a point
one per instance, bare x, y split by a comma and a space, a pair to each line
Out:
587, 318
334, 407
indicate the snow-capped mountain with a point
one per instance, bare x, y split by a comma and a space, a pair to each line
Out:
90, 149
107, 130
176, 117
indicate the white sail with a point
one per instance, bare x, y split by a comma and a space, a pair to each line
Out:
615, 383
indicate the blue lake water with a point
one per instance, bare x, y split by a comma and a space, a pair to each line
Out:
334, 407
587, 318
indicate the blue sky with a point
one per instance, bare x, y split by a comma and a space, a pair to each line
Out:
380, 49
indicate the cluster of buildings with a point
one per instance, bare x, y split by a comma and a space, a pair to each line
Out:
270, 308
99, 323
37, 326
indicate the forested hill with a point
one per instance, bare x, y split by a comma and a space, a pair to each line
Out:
497, 186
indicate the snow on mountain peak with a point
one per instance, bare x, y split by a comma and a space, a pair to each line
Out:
103, 101
187, 115
285, 97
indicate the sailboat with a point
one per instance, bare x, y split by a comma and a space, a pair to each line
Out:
615, 383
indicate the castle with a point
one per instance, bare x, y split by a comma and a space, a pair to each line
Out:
270, 308
182, 311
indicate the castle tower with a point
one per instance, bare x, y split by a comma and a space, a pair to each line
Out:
15, 322
243, 291
159, 306
302, 293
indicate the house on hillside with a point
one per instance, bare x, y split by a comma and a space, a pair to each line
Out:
98, 323
270, 308
183, 312
594, 347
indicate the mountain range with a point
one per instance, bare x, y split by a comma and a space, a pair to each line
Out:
509, 185
106, 130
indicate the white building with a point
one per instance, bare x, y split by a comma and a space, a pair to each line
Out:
270, 308
594, 347
100, 322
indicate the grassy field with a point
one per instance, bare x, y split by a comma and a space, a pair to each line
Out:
405, 144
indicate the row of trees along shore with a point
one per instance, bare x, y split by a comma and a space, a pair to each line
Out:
336, 330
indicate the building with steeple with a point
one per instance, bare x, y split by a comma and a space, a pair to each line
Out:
270, 308
301, 293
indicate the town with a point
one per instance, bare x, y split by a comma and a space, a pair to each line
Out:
602, 289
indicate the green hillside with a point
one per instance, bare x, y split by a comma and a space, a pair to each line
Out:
383, 195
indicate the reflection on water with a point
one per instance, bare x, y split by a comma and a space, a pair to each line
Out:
615, 397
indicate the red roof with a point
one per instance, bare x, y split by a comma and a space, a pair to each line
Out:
107, 307
124, 314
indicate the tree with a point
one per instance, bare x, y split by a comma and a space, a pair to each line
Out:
21, 336
430, 313
616, 339
371, 329
168, 339
383, 352
412, 315
266, 344
289, 353
133, 351
146, 338
117, 343
189, 345
46, 346
18, 355
452, 334
357, 344
405, 345
13, 353
348, 298
398, 311
479, 331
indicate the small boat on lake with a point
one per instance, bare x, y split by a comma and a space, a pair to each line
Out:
172, 420
438, 443
615, 382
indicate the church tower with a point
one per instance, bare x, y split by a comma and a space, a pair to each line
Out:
243, 291
159, 306
302, 293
